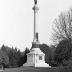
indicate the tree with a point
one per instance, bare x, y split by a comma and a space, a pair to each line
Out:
24, 56
4, 60
14, 56
46, 50
51, 58
63, 52
63, 27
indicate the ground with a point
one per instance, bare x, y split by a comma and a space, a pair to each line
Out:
30, 69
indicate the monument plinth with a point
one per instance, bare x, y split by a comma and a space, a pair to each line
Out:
36, 57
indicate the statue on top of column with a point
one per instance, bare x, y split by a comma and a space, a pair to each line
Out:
35, 1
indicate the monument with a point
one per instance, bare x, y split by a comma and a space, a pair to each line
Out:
36, 57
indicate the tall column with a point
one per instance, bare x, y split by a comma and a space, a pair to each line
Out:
35, 43
35, 9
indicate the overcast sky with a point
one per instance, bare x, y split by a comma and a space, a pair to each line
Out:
16, 21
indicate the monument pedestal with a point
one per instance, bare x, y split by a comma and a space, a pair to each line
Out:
36, 58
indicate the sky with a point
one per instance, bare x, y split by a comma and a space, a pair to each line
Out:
16, 21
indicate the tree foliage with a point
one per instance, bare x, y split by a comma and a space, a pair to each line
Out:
23, 59
46, 50
63, 27
12, 57
63, 52
4, 59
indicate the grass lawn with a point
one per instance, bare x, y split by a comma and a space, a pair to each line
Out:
30, 69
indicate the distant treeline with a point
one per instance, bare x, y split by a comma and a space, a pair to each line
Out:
60, 55
12, 57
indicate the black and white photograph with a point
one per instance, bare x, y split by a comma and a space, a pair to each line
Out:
35, 36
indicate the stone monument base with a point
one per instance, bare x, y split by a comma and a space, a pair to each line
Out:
36, 58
